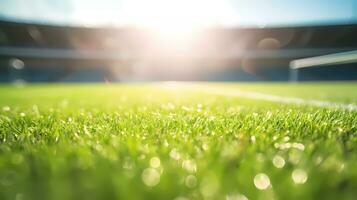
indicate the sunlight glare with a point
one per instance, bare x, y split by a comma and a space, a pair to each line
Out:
175, 18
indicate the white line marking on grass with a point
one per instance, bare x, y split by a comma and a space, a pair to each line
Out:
258, 96
278, 99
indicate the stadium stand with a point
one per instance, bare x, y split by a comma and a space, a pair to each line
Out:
47, 53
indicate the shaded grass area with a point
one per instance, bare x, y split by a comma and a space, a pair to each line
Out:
154, 142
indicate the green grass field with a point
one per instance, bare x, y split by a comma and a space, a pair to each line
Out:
167, 141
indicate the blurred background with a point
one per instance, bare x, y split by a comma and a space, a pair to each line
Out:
177, 40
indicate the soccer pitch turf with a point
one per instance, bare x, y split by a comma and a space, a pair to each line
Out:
179, 141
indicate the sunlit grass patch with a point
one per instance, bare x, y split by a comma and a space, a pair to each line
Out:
153, 142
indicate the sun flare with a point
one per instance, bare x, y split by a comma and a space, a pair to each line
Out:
173, 18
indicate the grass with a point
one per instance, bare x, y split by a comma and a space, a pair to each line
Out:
153, 142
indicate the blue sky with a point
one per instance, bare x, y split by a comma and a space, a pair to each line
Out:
217, 12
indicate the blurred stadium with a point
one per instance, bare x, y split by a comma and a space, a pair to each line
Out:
168, 130
40, 51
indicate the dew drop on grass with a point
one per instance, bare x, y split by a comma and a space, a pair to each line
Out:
277, 145
278, 161
299, 176
205, 146
261, 181
298, 146
141, 157
283, 146
166, 143
150, 177
189, 165
6, 108
155, 162
174, 154
236, 197
190, 181
286, 138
